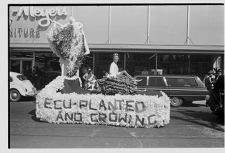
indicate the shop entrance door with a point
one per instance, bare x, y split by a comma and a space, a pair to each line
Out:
27, 68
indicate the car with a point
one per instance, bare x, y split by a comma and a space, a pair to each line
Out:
20, 86
180, 88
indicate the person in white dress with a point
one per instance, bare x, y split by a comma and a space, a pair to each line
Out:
114, 70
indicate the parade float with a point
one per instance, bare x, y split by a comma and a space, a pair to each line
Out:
118, 103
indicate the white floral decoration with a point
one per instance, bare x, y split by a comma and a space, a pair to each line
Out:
157, 105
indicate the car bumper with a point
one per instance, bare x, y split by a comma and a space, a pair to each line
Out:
31, 93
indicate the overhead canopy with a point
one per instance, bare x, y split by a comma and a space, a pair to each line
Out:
132, 48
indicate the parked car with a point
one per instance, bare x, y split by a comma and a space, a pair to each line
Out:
20, 86
179, 88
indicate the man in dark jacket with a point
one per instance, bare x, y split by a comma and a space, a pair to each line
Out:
219, 85
209, 81
219, 88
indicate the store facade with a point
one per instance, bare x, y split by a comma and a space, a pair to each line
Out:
168, 39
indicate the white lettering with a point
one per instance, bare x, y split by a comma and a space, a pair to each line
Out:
38, 12
32, 12
52, 12
22, 10
44, 14
24, 33
44, 22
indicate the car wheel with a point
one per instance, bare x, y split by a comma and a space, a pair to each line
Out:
176, 102
218, 112
14, 95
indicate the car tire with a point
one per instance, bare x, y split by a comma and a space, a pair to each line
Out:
14, 95
176, 102
219, 112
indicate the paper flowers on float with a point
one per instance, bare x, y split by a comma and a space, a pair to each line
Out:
68, 42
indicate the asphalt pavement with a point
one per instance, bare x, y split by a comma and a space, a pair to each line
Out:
191, 126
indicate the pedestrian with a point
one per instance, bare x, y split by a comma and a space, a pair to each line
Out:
209, 81
218, 74
36, 75
218, 91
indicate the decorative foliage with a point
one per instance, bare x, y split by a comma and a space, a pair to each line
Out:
119, 85
69, 43
53, 106
119, 110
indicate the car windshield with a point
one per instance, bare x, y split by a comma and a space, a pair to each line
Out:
143, 81
21, 77
181, 82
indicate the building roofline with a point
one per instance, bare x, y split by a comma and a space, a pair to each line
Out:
210, 49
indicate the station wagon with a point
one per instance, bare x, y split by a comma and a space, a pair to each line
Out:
180, 88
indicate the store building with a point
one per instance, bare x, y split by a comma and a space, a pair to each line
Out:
169, 39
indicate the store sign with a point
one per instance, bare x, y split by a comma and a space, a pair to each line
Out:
24, 33
44, 14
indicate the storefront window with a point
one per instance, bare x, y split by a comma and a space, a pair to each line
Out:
47, 61
174, 63
15, 66
140, 63
22, 62
46, 68
201, 64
